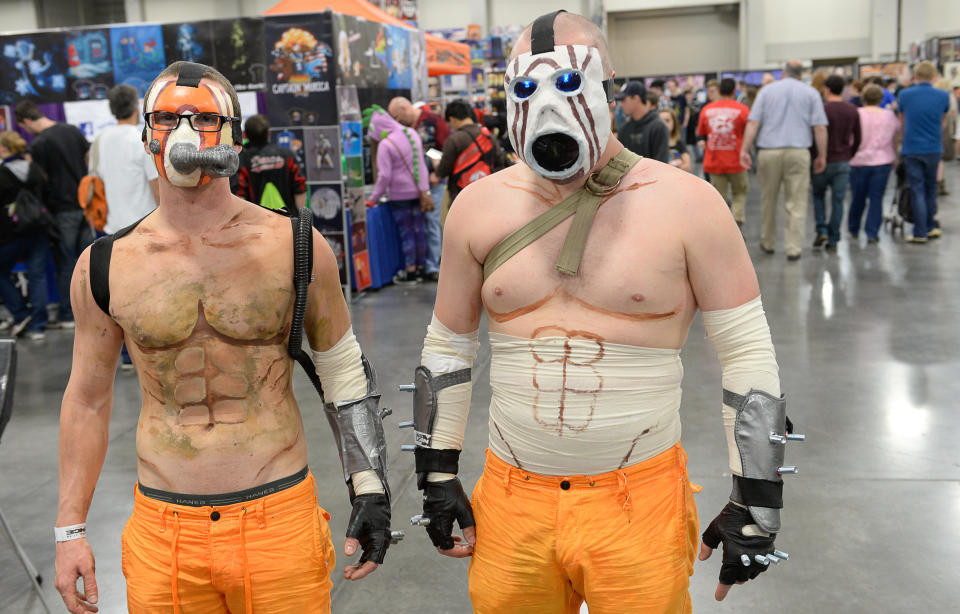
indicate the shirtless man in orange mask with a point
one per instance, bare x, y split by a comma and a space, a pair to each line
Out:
225, 517
585, 494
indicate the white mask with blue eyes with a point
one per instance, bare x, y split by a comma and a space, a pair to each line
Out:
557, 111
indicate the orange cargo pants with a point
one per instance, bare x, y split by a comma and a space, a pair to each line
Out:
625, 540
271, 555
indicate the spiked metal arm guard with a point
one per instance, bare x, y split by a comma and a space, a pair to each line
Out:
358, 428
426, 387
759, 431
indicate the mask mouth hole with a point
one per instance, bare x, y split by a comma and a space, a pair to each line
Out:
556, 152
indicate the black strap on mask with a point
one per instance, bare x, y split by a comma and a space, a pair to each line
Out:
541, 35
190, 74
542, 41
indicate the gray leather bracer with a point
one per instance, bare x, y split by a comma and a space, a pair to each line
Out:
759, 416
426, 387
358, 429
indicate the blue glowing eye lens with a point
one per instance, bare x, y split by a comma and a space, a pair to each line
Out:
525, 88
568, 82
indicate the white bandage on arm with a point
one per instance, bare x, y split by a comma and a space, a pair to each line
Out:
445, 351
741, 337
340, 369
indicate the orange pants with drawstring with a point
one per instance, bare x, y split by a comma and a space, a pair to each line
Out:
272, 555
624, 541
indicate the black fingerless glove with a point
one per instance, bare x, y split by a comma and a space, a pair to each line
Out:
727, 527
370, 525
444, 502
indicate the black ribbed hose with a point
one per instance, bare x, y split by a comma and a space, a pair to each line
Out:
302, 271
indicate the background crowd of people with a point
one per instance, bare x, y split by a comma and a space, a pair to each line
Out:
832, 136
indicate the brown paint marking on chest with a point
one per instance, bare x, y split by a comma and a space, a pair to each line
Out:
209, 389
544, 401
561, 292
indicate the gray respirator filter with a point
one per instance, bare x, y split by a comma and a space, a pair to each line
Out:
219, 161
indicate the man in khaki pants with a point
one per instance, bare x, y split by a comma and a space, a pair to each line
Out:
785, 120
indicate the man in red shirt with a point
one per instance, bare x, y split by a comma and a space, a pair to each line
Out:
722, 123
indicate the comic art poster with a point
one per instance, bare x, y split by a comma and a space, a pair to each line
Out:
948, 49
33, 66
190, 42
322, 151
300, 75
419, 79
354, 172
356, 202
348, 103
351, 139
326, 204
89, 68
361, 52
398, 49
5, 118
292, 139
402, 9
137, 55
238, 52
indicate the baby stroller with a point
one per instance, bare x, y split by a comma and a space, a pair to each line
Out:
901, 209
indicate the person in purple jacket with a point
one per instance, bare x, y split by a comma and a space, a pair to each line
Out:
401, 175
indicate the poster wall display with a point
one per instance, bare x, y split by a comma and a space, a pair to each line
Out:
326, 203
248, 105
948, 49
951, 71
420, 85
90, 116
190, 42
300, 76
137, 55
348, 102
351, 138
238, 52
322, 152
292, 139
89, 67
401, 69
354, 172
361, 52
33, 66
696, 81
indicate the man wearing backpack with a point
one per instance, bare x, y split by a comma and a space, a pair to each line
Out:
269, 174
62, 151
469, 154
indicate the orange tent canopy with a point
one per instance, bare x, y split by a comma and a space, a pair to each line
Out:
443, 57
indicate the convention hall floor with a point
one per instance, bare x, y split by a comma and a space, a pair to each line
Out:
869, 351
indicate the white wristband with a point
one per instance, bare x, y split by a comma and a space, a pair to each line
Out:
74, 531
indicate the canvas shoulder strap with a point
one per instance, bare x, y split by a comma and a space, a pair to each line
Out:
583, 204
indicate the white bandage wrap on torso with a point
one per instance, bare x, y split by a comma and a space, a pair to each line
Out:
741, 337
445, 351
563, 406
340, 370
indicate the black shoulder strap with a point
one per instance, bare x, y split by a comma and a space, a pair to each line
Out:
302, 276
100, 253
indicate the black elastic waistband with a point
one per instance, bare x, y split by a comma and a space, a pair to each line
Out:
227, 498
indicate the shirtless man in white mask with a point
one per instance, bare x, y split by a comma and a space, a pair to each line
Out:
585, 494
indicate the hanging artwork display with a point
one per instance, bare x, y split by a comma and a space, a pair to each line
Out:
300, 75
189, 42
238, 52
322, 153
361, 52
137, 53
89, 67
33, 66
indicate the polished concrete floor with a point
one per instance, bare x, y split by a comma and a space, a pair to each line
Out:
869, 351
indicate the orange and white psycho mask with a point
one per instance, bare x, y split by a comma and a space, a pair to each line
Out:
189, 94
